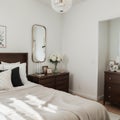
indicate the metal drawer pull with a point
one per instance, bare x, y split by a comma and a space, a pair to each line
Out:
109, 87
109, 96
109, 78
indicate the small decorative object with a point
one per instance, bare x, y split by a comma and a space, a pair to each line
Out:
49, 71
2, 36
44, 68
55, 59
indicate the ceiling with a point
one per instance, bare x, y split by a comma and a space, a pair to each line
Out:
48, 2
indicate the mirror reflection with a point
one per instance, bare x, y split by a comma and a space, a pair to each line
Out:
109, 48
39, 43
110, 32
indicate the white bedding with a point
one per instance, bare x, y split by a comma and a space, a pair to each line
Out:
35, 102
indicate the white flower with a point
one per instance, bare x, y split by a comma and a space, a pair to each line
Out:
115, 67
53, 58
111, 63
58, 59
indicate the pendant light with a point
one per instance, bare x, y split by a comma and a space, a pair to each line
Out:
61, 6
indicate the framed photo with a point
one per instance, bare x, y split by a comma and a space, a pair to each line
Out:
2, 36
44, 68
49, 71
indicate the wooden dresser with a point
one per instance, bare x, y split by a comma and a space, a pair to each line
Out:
59, 81
112, 87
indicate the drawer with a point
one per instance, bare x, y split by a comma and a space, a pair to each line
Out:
115, 94
61, 82
108, 98
50, 85
111, 78
108, 89
32, 79
62, 77
46, 81
62, 88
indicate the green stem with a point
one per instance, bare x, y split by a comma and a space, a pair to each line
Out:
55, 69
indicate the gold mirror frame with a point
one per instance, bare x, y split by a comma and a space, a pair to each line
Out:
38, 43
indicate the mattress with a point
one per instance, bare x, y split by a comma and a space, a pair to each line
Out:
36, 102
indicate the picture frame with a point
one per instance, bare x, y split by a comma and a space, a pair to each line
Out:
49, 71
2, 36
44, 69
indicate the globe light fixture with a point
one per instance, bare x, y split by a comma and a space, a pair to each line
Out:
61, 6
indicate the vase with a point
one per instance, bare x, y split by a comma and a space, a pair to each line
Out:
55, 68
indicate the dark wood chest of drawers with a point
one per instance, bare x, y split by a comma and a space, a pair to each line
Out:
112, 87
59, 81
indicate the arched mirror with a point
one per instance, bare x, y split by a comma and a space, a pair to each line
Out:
38, 43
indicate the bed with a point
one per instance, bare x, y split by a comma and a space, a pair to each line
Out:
36, 102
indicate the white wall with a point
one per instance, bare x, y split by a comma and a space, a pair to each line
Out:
80, 42
103, 52
19, 16
114, 38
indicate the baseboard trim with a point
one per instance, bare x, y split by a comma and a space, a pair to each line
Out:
84, 95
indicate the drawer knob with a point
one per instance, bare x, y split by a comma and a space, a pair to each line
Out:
109, 96
109, 78
109, 87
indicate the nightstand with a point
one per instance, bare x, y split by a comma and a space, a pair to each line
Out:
112, 87
58, 81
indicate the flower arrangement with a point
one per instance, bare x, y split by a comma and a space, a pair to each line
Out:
113, 66
55, 59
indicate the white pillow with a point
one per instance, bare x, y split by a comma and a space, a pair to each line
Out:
5, 80
23, 75
22, 70
16, 63
10, 66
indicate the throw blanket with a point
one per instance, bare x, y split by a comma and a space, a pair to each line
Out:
41, 103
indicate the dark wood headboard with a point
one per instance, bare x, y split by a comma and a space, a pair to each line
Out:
15, 57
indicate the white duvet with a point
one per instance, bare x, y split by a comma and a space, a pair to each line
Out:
35, 102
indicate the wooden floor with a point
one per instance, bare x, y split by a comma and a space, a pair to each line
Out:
112, 108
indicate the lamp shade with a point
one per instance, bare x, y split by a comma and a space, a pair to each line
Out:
61, 6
